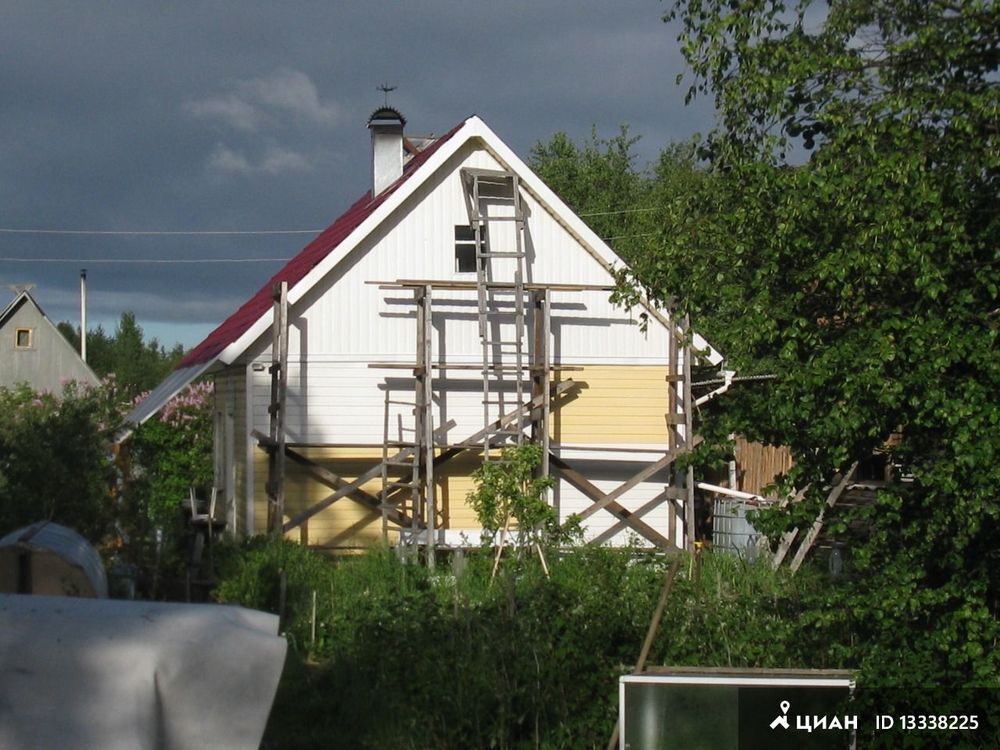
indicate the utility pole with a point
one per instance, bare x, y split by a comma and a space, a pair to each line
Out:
83, 314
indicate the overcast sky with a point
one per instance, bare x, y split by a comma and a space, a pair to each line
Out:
245, 115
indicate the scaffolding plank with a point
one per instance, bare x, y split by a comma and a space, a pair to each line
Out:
458, 284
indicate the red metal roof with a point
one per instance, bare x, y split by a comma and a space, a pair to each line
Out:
241, 321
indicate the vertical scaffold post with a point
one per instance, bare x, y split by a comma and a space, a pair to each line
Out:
541, 367
425, 414
679, 428
689, 509
276, 409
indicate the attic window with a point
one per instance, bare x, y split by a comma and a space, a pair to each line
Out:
465, 248
22, 338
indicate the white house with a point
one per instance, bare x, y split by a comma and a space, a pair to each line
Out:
458, 306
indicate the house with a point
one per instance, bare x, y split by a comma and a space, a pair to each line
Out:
457, 307
32, 350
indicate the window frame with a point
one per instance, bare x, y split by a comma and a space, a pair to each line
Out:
30, 332
465, 242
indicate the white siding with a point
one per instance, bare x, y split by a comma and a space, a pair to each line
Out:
349, 316
346, 323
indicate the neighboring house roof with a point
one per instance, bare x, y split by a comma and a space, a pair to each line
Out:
240, 330
58, 362
15, 303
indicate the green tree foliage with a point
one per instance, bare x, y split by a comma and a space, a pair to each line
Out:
55, 458
456, 660
510, 498
621, 200
138, 365
57, 462
172, 452
847, 242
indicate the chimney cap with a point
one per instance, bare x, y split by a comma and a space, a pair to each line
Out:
386, 116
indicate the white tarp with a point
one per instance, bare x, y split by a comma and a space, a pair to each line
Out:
123, 675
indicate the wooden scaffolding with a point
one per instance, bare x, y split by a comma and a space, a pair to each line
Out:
518, 387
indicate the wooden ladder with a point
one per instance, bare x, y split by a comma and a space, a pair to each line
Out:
400, 468
504, 364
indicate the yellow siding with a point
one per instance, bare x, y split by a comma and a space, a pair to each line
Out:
347, 523
616, 404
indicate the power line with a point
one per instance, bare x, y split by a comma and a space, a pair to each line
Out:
173, 261
224, 232
621, 211
144, 260
158, 233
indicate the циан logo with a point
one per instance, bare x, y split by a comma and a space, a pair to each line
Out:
782, 720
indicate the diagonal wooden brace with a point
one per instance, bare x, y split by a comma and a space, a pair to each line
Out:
351, 488
817, 527
642, 476
342, 487
619, 526
589, 489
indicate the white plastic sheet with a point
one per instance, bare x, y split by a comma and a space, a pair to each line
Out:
92, 673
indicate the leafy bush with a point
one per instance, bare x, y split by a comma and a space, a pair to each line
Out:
454, 659
173, 452
250, 574
55, 458
509, 496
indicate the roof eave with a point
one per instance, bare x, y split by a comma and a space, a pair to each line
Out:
408, 187
473, 127
598, 248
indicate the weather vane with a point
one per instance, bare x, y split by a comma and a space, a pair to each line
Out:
385, 88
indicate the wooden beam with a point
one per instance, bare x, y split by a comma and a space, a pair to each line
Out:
589, 489
689, 509
608, 534
471, 285
788, 538
425, 401
276, 409
814, 530
654, 627
642, 476
540, 369
332, 480
447, 454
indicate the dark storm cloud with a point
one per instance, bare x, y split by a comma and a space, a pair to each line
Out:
242, 115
